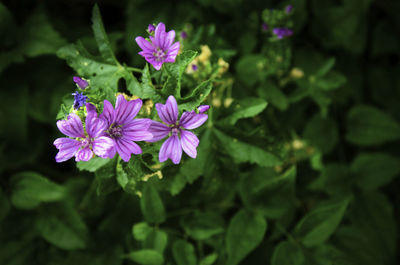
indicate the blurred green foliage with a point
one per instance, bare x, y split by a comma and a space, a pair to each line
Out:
298, 163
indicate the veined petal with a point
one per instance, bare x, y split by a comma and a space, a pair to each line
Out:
104, 147
169, 38
126, 148
71, 127
159, 34
192, 120
172, 149
144, 44
84, 154
94, 126
67, 148
158, 130
189, 143
173, 50
125, 110
168, 113
137, 130
108, 113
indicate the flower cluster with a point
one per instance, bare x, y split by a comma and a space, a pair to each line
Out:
116, 130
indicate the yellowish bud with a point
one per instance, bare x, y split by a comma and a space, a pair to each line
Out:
296, 73
205, 53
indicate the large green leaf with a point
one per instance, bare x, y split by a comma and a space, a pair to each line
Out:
151, 204
202, 226
245, 232
141, 230
246, 108
287, 253
146, 257
322, 133
101, 37
157, 240
243, 152
198, 95
30, 189
318, 225
93, 164
374, 170
175, 71
367, 125
184, 253
59, 233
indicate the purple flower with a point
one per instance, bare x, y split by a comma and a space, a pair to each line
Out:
282, 32
183, 35
179, 138
123, 129
160, 49
84, 145
195, 67
203, 108
82, 84
79, 100
288, 9
264, 27
150, 28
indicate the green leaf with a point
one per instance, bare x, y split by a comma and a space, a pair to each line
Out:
30, 189
157, 240
273, 95
245, 232
330, 81
151, 205
101, 37
141, 230
184, 253
243, 152
367, 125
267, 192
287, 253
198, 95
57, 232
318, 225
325, 67
202, 226
103, 76
374, 170
145, 89
175, 71
106, 178
93, 164
209, 260
246, 108
322, 133
251, 68
146, 257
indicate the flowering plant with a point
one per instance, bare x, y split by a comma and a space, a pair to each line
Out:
204, 133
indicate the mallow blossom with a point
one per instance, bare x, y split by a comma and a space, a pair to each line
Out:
178, 130
123, 129
160, 49
82, 145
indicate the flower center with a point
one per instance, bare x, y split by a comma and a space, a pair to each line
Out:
175, 130
115, 132
85, 143
159, 54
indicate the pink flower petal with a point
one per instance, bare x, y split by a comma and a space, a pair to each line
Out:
189, 143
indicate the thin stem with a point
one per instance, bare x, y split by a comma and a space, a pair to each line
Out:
134, 69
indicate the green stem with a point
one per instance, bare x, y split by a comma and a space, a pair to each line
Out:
134, 69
